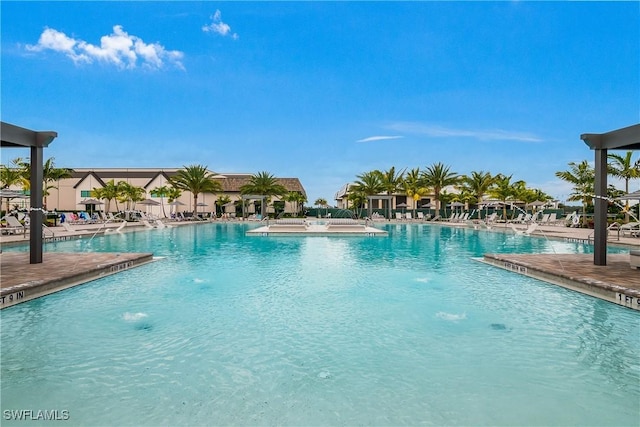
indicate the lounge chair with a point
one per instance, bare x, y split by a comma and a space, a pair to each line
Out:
398, 216
420, 216
544, 220
630, 229
518, 219
408, 216
14, 226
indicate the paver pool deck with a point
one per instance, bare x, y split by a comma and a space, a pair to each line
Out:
616, 282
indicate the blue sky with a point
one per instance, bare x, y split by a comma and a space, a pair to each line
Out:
322, 91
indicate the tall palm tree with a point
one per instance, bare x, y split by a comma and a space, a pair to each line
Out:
438, 176
503, 189
129, 194
263, 184
368, 183
582, 176
196, 179
478, 184
110, 191
391, 181
624, 167
415, 187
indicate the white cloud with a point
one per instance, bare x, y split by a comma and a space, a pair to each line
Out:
219, 27
444, 132
378, 138
119, 48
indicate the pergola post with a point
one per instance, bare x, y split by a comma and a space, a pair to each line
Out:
36, 213
600, 208
620, 139
17, 137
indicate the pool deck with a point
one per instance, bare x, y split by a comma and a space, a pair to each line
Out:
616, 282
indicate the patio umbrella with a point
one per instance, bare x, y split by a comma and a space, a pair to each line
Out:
92, 203
176, 203
201, 204
148, 202
402, 206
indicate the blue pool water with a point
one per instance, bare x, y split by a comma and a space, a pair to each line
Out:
404, 330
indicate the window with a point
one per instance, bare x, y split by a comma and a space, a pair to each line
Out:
85, 193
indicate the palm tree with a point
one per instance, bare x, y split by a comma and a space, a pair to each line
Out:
323, 204
50, 174
478, 184
109, 192
415, 187
129, 194
357, 199
623, 167
368, 183
296, 198
223, 200
161, 192
13, 176
263, 184
391, 182
582, 176
438, 176
196, 179
503, 189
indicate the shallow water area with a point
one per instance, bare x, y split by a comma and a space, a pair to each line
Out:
405, 330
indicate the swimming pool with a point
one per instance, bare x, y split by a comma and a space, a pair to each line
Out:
405, 330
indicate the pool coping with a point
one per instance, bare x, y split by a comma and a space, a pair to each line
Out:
583, 282
54, 275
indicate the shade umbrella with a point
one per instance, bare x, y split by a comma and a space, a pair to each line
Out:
92, 203
402, 206
148, 202
201, 204
176, 203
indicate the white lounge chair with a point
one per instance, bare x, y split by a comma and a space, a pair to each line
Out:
408, 216
13, 225
398, 216
518, 219
630, 229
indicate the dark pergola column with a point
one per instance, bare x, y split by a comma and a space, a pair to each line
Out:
621, 139
17, 137
36, 214
600, 209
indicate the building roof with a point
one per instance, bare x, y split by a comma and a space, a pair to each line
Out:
230, 182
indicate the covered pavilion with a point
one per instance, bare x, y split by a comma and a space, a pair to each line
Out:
13, 136
627, 138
